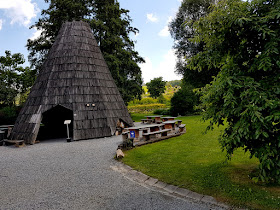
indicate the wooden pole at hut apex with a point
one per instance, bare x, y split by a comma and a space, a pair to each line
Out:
67, 122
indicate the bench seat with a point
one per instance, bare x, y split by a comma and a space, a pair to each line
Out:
156, 134
182, 125
182, 128
147, 120
17, 143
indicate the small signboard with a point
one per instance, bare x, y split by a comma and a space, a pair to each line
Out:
132, 134
67, 122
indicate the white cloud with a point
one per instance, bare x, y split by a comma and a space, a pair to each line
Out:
36, 34
164, 69
165, 32
19, 11
152, 18
1, 22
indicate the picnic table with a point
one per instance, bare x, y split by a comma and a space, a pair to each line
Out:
7, 129
135, 131
156, 134
170, 124
147, 121
157, 118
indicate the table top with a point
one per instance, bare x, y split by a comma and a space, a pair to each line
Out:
144, 126
170, 122
6, 126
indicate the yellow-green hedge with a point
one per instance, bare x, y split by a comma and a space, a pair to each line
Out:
145, 108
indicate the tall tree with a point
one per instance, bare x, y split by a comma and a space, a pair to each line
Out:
52, 19
181, 29
156, 87
14, 79
242, 39
111, 27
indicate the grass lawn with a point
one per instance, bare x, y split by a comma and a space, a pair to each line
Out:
195, 161
138, 116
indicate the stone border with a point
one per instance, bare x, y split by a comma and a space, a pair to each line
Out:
172, 190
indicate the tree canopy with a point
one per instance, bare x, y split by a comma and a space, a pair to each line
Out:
156, 87
14, 79
182, 30
111, 28
242, 40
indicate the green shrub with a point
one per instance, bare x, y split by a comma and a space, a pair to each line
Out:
183, 102
8, 115
163, 100
162, 112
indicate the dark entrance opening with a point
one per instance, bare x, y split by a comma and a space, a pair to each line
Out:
53, 126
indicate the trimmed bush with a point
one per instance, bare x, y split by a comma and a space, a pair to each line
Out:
162, 112
146, 108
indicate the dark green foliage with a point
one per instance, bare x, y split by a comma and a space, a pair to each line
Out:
156, 87
183, 101
181, 28
14, 79
242, 39
9, 114
111, 28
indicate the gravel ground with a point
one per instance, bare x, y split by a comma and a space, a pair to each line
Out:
55, 174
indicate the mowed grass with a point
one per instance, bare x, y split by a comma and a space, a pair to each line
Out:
138, 116
195, 161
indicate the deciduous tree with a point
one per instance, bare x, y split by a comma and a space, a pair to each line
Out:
14, 79
181, 29
242, 40
111, 28
156, 87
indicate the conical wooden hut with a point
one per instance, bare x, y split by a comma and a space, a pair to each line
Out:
74, 84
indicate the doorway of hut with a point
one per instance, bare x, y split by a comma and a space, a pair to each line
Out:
52, 126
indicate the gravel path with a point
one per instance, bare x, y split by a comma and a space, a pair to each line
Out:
76, 175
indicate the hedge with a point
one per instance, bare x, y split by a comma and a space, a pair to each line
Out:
145, 108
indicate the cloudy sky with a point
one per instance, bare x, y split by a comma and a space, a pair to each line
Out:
151, 17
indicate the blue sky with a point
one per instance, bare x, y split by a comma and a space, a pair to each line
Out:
151, 17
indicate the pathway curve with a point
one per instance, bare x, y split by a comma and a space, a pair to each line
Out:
78, 175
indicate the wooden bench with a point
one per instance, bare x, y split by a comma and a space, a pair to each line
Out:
156, 134
17, 143
182, 128
148, 121
165, 132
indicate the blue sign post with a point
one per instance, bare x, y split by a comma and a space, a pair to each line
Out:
132, 134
